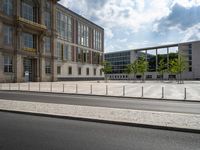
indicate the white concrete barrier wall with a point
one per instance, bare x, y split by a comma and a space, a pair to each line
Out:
166, 119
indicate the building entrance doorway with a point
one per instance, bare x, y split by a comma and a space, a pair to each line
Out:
28, 69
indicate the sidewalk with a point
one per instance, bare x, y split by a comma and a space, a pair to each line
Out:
164, 119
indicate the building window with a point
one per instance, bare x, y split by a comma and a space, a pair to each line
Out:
47, 66
87, 71
64, 26
70, 70
47, 20
59, 50
67, 52
47, 45
58, 70
28, 10
85, 56
95, 71
28, 40
8, 35
190, 69
8, 7
83, 34
148, 76
8, 64
79, 71
97, 39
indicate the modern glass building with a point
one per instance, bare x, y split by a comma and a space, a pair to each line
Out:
43, 41
189, 50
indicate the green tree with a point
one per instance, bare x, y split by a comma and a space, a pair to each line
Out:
129, 70
142, 66
162, 68
132, 69
135, 68
107, 68
178, 66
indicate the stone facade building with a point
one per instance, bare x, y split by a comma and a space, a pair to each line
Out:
43, 41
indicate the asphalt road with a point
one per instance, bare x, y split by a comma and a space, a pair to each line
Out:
112, 102
27, 132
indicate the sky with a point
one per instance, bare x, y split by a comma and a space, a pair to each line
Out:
131, 24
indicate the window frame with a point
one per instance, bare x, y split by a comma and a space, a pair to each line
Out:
8, 64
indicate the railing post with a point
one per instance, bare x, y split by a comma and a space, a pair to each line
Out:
106, 89
185, 93
76, 88
63, 88
124, 90
163, 95
91, 89
142, 91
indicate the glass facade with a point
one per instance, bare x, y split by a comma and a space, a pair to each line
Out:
7, 7
83, 34
64, 26
8, 64
151, 58
119, 61
8, 35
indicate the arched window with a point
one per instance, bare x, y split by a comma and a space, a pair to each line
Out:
8, 7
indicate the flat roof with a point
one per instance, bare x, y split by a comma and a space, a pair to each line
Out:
153, 47
74, 13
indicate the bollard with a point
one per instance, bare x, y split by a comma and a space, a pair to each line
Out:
124, 90
9, 86
106, 89
185, 93
163, 92
63, 88
18, 86
91, 89
39, 86
76, 88
29, 86
142, 91
51, 87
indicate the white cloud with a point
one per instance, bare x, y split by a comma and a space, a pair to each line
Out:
135, 20
187, 3
191, 34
